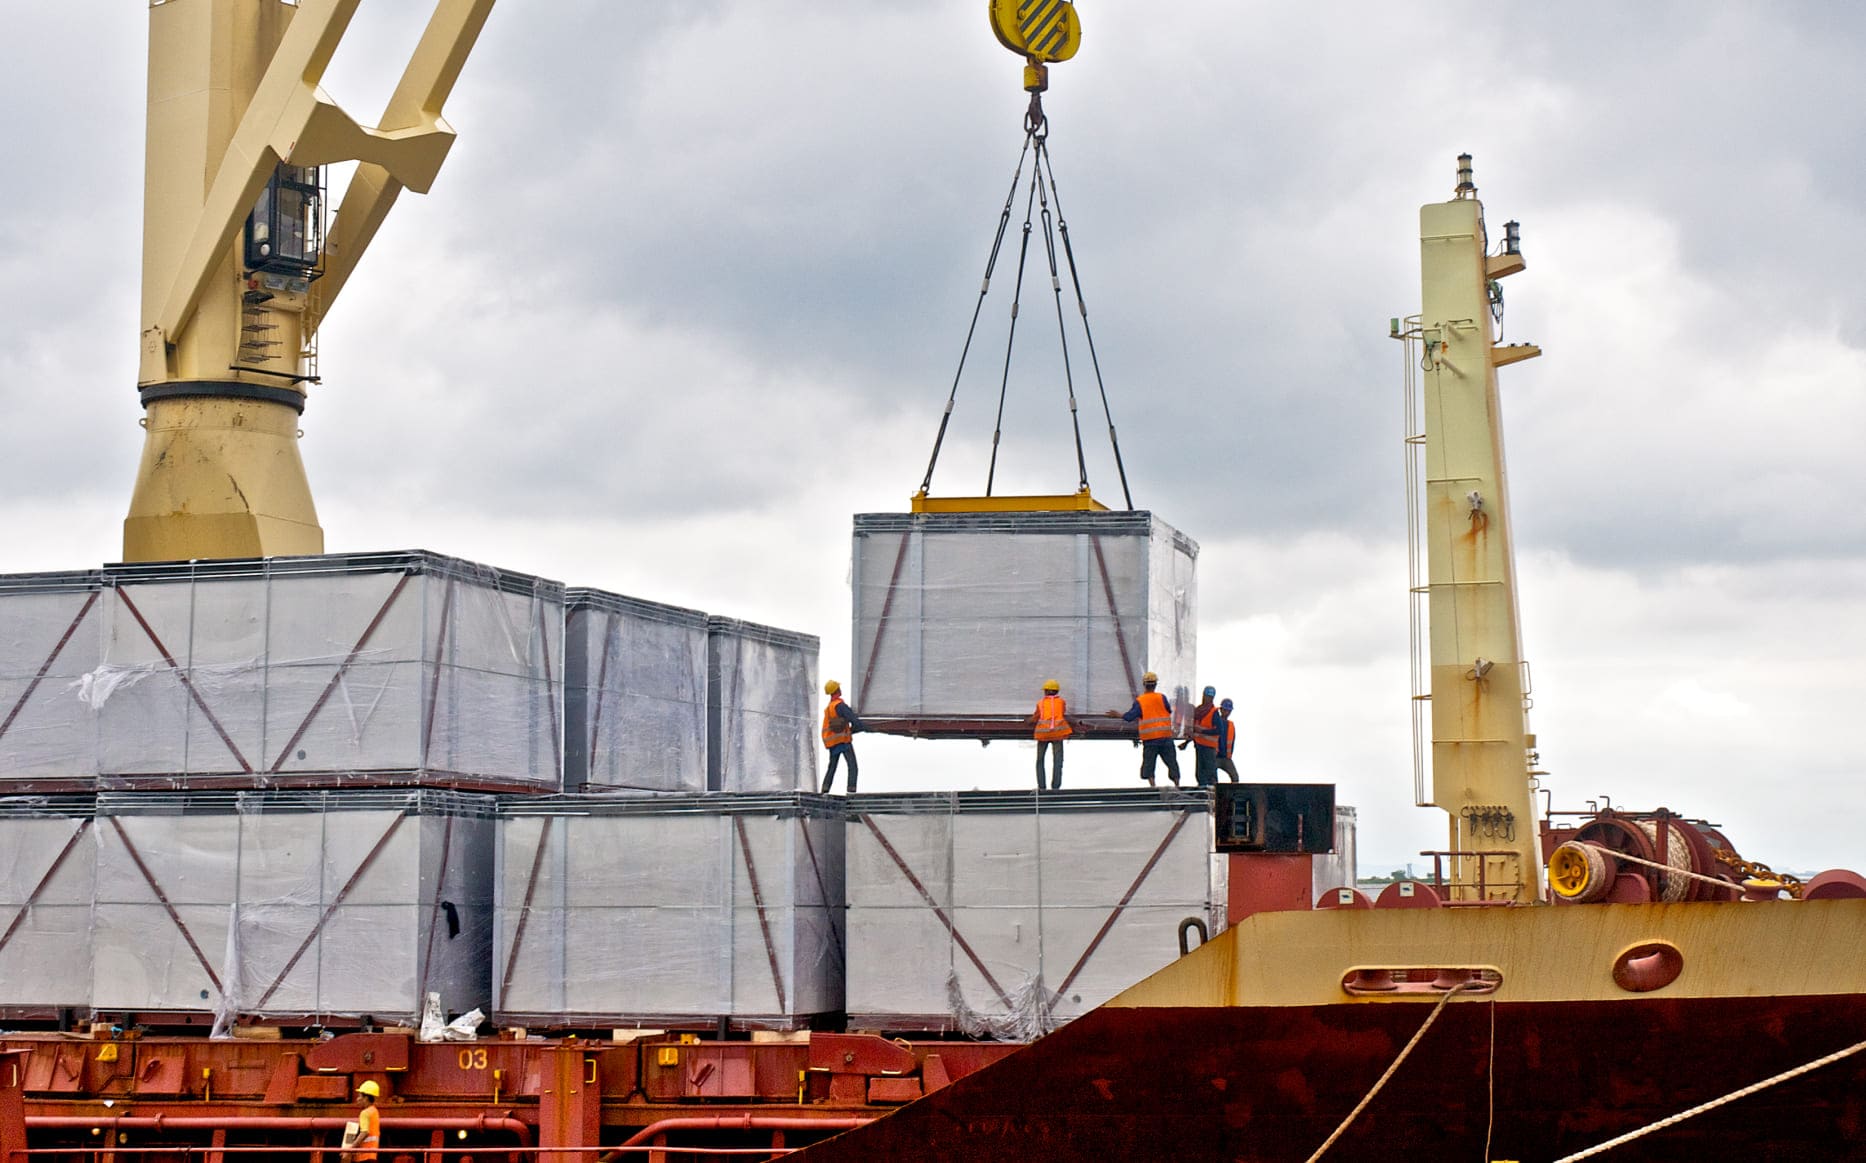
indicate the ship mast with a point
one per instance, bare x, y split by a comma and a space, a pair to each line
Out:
1481, 748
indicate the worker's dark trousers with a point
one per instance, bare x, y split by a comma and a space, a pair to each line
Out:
1228, 765
1056, 768
840, 751
1158, 749
1205, 766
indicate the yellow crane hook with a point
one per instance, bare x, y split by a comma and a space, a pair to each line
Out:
1040, 31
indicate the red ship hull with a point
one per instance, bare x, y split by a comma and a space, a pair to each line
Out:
1522, 1081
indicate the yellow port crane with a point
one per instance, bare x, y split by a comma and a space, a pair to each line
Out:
238, 271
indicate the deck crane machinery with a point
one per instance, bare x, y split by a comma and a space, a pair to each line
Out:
238, 269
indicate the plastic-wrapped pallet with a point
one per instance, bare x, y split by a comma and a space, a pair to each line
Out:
300, 905
635, 701
669, 911
1008, 913
47, 878
49, 640
761, 709
389, 669
1337, 869
959, 617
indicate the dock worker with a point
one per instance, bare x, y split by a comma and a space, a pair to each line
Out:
1227, 742
1051, 720
840, 723
1206, 730
368, 1123
1152, 717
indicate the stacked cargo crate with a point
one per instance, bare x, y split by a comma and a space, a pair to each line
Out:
270, 789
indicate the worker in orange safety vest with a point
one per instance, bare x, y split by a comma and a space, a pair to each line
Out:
1205, 734
368, 1124
1152, 717
1052, 725
840, 723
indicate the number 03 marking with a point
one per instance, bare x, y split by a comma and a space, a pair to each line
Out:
473, 1058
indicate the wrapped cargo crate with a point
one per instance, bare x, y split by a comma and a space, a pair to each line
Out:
304, 906
1005, 914
1337, 869
49, 640
668, 910
960, 617
761, 708
635, 694
395, 669
47, 878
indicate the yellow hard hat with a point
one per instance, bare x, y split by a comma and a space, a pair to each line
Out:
1052, 685
370, 1088
1150, 677
832, 687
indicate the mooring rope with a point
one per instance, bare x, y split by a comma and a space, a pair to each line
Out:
1382, 1081
1714, 1103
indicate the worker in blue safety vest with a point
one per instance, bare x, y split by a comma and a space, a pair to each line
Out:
1227, 742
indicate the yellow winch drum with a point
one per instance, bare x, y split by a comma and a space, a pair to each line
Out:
1579, 872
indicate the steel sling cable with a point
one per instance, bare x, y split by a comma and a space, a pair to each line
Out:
1056, 286
1062, 228
1017, 297
991, 263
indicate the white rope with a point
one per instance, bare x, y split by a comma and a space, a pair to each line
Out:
1670, 869
1362, 1105
1681, 1116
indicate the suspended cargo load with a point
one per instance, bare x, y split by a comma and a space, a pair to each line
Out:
761, 707
670, 911
635, 694
960, 617
1006, 914
49, 640
48, 864
396, 669
299, 906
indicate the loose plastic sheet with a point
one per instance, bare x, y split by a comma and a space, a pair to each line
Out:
48, 857
402, 668
761, 708
676, 910
635, 706
964, 615
1338, 868
293, 904
1005, 914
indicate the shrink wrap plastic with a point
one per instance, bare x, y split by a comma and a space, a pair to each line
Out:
635, 707
961, 616
48, 858
1005, 914
1338, 869
301, 905
761, 708
393, 668
669, 911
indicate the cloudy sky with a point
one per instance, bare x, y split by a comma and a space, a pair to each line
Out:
690, 290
